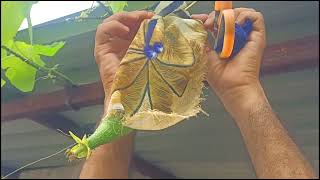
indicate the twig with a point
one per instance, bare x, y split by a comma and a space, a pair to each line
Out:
92, 5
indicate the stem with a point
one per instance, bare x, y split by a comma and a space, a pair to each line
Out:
190, 5
92, 5
30, 28
41, 68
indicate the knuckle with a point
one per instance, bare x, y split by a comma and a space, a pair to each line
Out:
109, 71
111, 22
104, 69
98, 54
259, 14
117, 14
112, 17
107, 19
95, 54
99, 27
245, 9
106, 24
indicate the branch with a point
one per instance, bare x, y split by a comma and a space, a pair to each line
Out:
41, 68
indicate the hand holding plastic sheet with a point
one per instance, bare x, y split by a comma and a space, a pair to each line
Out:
159, 81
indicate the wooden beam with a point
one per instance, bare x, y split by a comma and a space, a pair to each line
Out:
279, 58
291, 56
57, 121
82, 96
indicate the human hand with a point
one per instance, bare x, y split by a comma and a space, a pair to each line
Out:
112, 40
234, 79
236, 82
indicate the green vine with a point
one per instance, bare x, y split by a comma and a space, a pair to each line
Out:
21, 61
30, 28
47, 70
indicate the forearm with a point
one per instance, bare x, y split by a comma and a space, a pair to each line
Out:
110, 160
272, 151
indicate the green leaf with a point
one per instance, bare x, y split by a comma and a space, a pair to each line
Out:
12, 15
3, 53
20, 74
48, 50
117, 6
3, 82
27, 51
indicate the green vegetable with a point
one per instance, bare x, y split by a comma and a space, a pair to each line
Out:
109, 129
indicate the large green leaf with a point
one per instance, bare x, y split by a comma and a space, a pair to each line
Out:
48, 50
117, 6
12, 15
21, 75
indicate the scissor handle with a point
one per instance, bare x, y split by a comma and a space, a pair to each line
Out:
225, 14
229, 32
221, 5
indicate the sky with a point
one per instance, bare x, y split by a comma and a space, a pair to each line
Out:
45, 11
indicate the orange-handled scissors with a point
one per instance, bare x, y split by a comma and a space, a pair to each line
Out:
224, 26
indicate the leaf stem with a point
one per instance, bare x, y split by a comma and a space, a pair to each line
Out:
30, 28
40, 68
